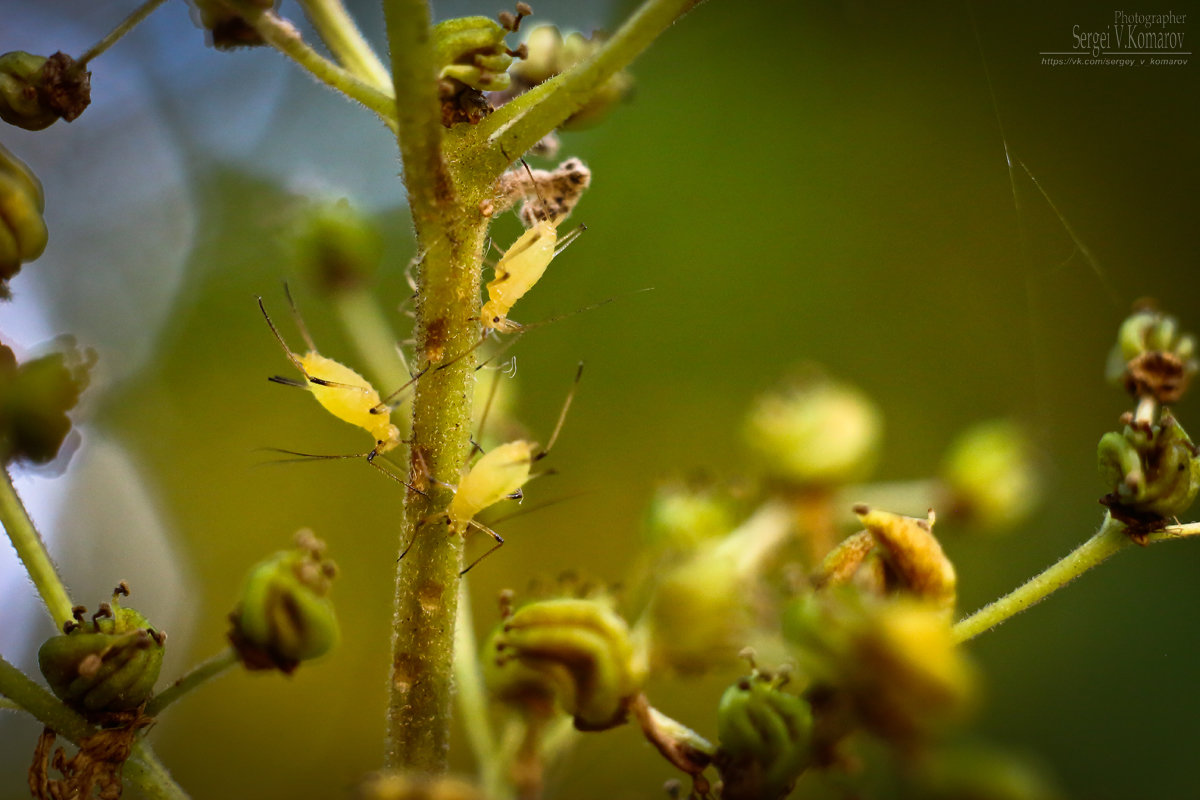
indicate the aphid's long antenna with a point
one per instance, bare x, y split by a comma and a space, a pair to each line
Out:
386, 405
369, 456
562, 415
308, 340
571, 236
499, 543
279, 337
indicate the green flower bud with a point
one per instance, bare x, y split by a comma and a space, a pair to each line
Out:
415, 786
35, 398
572, 652
23, 233
766, 737
549, 54
338, 245
684, 514
1154, 473
1152, 358
473, 58
700, 613
913, 555
991, 475
285, 615
890, 665
227, 28
36, 91
816, 432
107, 663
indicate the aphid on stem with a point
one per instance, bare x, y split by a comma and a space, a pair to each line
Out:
524, 263
498, 474
341, 391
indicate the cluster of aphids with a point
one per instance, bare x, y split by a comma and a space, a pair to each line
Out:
502, 472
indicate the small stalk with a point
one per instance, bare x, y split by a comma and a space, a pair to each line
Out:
125, 26
1109, 540
343, 38
32, 552
284, 37
199, 675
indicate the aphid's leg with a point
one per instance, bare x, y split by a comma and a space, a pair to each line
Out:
487, 408
369, 456
386, 405
497, 537
420, 458
422, 524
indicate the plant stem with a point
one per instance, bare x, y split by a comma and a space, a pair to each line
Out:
32, 552
284, 37
450, 234
343, 38
142, 769
199, 675
49, 710
518, 125
1110, 539
147, 773
125, 26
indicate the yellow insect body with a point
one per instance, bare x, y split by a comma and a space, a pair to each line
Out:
497, 475
521, 266
348, 396
340, 390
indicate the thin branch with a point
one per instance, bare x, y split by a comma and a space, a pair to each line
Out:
1109, 540
343, 38
284, 37
523, 121
199, 675
124, 27
32, 552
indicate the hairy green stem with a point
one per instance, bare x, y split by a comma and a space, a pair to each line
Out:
32, 552
49, 710
1109, 540
337, 29
142, 770
147, 773
450, 234
519, 124
284, 37
124, 27
199, 675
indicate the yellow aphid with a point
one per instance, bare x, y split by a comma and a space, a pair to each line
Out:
523, 265
340, 390
499, 474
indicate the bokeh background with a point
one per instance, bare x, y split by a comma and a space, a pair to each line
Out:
798, 182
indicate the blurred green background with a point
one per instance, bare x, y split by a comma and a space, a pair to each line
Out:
797, 182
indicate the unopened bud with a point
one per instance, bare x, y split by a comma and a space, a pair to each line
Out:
338, 245
815, 432
573, 652
36, 91
34, 400
227, 28
416, 786
765, 738
1152, 357
106, 663
913, 555
548, 53
285, 615
991, 475
1154, 473
683, 514
23, 234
